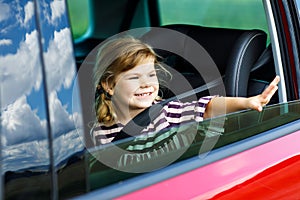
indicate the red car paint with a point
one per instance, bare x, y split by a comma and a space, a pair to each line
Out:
257, 173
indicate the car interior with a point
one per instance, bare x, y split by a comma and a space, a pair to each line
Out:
242, 56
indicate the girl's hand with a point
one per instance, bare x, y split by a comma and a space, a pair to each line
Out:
257, 102
232, 104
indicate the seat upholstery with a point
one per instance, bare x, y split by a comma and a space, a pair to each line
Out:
233, 51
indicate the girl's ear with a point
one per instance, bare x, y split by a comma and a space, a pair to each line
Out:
107, 88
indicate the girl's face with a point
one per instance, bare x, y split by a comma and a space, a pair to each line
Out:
137, 88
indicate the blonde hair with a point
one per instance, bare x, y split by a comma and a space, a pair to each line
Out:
114, 57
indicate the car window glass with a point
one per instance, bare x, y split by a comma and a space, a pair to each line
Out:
237, 127
24, 121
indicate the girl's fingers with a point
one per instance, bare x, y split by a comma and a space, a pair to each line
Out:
272, 88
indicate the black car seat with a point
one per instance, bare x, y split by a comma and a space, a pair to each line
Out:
262, 73
233, 51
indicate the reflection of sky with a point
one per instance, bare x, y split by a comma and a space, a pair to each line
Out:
14, 24
23, 117
298, 5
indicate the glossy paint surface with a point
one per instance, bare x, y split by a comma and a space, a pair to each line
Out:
257, 173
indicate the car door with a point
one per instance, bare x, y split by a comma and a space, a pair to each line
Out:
41, 147
25, 128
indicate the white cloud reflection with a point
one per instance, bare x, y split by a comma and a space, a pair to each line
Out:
5, 42
4, 11
21, 75
21, 124
20, 72
29, 12
61, 121
60, 65
57, 10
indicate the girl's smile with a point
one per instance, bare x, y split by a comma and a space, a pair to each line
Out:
144, 94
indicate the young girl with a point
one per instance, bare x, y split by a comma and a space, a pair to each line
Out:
126, 82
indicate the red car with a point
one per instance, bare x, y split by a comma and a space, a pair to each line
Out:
47, 51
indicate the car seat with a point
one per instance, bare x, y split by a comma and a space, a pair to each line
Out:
233, 51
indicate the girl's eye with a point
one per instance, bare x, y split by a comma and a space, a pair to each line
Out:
133, 78
153, 75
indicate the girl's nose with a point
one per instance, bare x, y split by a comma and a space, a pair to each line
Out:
144, 82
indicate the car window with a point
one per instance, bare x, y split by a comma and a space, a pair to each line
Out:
217, 13
213, 14
237, 127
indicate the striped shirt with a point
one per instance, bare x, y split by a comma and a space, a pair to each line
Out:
174, 113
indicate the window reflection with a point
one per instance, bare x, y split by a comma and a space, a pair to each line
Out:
298, 6
25, 114
60, 73
23, 109
60, 70
24, 134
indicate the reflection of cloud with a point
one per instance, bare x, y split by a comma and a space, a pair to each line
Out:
29, 11
60, 65
19, 15
57, 9
61, 121
5, 42
4, 11
21, 124
20, 72
67, 144
22, 14
24, 136
35, 154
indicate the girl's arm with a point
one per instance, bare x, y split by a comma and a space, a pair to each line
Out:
222, 105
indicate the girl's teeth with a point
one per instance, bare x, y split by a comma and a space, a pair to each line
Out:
144, 94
